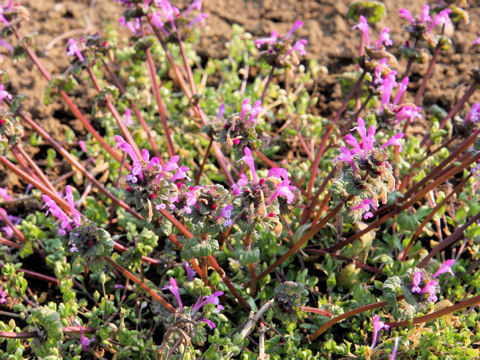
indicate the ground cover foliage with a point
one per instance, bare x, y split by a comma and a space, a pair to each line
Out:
209, 213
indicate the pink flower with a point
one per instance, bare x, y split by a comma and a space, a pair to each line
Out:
190, 272
4, 94
446, 267
410, 112
474, 115
377, 326
431, 289
346, 156
248, 159
3, 296
284, 190
254, 112
84, 340
83, 146
173, 288
395, 348
4, 194
296, 25
55, 210
477, 41
69, 197
441, 19
394, 140
384, 39
269, 40
226, 213
74, 50
386, 88
365, 205
241, 182
417, 278
212, 299
363, 27
128, 117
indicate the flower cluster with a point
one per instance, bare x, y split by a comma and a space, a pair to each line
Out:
238, 130
368, 178
277, 49
67, 223
173, 23
3, 296
262, 199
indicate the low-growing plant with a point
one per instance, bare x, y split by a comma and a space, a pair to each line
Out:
189, 218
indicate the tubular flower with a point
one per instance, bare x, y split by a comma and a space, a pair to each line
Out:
73, 49
377, 326
474, 114
3, 296
417, 278
431, 289
55, 210
366, 205
384, 39
425, 20
446, 267
85, 341
248, 159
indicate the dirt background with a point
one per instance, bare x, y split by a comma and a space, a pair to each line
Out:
330, 40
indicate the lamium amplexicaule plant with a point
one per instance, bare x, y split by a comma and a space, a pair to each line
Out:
186, 229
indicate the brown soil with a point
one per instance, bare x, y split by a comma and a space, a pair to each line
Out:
331, 41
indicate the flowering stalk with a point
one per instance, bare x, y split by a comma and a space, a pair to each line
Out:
430, 216
137, 112
70, 103
121, 124
161, 108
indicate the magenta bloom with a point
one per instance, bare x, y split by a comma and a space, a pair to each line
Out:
69, 197
3, 296
431, 289
85, 341
241, 182
4, 94
190, 272
274, 38
383, 40
226, 213
363, 27
168, 14
128, 117
474, 115
425, 18
173, 288
73, 49
446, 267
365, 205
283, 190
55, 210
4, 194
417, 278
395, 348
377, 326
477, 41
248, 159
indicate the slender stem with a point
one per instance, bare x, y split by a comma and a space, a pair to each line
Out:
436, 314
357, 263
140, 283
35, 275
329, 132
205, 158
70, 103
35, 167
191, 80
196, 109
269, 79
121, 124
33, 334
316, 311
135, 109
313, 230
426, 141
158, 98
429, 217
344, 316
6, 220
253, 282
10, 243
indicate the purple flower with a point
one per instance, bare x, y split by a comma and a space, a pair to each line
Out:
395, 348
55, 210
394, 140
474, 114
241, 182
69, 197
3, 296
384, 39
268, 40
74, 50
209, 323
200, 18
173, 288
346, 156
284, 190
128, 117
365, 205
446, 267
212, 299
477, 41
425, 18
431, 289
134, 27
386, 88
417, 278
4, 194
363, 27
85, 341
299, 47
190, 272
4, 94
221, 110
296, 25
402, 87
226, 213
410, 112
248, 159
377, 326
441, 19
476, 170
83, 146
